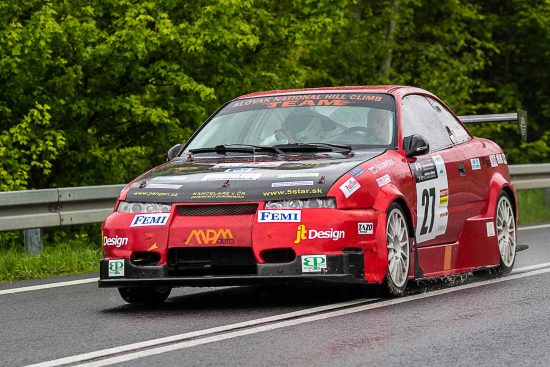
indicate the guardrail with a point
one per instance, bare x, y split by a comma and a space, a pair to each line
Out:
35, 209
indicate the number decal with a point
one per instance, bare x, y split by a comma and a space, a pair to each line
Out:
426, 195
432, 197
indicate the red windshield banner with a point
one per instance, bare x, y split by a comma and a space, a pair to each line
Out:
381, 101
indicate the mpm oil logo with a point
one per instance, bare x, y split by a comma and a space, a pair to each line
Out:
211, 237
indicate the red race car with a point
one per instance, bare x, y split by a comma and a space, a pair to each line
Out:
377, 185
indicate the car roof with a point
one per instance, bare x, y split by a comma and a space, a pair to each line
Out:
388, 89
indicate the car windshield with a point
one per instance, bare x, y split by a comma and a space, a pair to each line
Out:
361, 120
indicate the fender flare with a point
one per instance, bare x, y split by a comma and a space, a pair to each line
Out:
497, 184
389, 194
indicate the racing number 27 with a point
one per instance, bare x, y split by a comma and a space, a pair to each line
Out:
427, 196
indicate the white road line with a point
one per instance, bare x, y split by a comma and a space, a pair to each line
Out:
91, 280
540, 226
254, 326
176, 338
47, 286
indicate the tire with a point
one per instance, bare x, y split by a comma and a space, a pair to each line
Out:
398, 243
507, 234
145, 295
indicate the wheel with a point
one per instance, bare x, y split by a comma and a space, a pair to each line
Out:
398, 244
506, 234
145, 295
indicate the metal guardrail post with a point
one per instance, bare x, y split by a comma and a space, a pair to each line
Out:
33, 241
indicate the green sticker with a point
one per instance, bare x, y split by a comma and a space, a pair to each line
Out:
314, 263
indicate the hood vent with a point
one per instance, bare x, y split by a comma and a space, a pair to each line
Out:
216, 210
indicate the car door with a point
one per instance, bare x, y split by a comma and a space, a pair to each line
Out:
477, 162
441, 185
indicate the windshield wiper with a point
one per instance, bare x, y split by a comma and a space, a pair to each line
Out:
236, 148
341, 146
312, 147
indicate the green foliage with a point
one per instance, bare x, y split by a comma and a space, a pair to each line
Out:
95, 92
29, 149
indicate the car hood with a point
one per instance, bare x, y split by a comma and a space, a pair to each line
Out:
230, 181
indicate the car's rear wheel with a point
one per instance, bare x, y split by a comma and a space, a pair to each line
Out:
398, 245
506, 232
145, 295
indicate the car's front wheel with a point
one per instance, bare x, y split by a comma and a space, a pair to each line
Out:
145, 295
398, 245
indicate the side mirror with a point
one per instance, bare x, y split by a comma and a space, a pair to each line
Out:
415, 145
174, 151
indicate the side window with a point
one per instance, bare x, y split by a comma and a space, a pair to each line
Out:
457, 133
420, 117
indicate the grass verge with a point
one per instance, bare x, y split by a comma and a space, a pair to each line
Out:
532, 207
67, 258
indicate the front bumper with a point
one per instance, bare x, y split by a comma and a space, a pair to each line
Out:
342, 268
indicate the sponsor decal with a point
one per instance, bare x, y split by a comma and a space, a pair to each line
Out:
307, 103
499, 159
306, 100
443, 214
382, 165
314, 263
493, 159
238, 170
116, 268
349, 187
154, 247
303, 234
218, 195
115, 241
247, 164
279, 216
155, 193
211, 237
365, 228
141, 220
163, 186
236, 176
294, 175
474, 162
424, 169
309, 100
384, 180
293, 192
169, 178
443, 197
490, 229
504, 158
357, 171
292, 183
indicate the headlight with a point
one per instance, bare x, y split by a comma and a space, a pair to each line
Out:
301, 203
124, 207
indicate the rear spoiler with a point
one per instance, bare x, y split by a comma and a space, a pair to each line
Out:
520, 117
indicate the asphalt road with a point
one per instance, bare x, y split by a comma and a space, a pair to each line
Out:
470, 321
